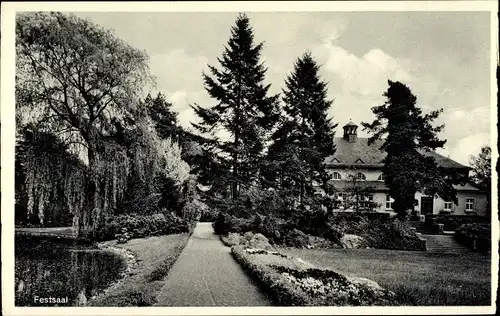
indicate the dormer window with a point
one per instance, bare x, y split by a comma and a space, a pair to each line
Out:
381, 177
337, 176
359, 161
360, 176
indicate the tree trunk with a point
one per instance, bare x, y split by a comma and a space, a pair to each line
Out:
87, 220
234, 187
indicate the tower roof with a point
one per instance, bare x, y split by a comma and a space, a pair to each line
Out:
351, 123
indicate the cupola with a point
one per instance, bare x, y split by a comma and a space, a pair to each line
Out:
350, 132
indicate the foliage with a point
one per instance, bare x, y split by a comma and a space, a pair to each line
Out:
139, 226
409, 134
393, 235
304, 136
243, 109
481, 168
481, 172
379, 232
225, 224
475, 236
452, 222
357, 194
164, 117
85, 83
293, 282
49, 179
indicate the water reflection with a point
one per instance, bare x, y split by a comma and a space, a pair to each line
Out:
58, 274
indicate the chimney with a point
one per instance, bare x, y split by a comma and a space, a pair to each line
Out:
350, 132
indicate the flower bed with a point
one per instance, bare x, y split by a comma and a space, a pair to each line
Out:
291, 281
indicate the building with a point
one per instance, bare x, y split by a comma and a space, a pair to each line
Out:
356, 164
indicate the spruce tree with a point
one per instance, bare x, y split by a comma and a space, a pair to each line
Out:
304, 137
164, 117
409, 135
243, 109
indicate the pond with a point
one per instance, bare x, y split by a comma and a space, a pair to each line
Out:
54, 273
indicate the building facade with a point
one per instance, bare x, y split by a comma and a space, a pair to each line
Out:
357, 177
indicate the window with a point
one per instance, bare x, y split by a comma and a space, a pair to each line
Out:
366, 201
361, 176
337, 176
338, 200
447, 206
381, 177
469, 204
388, 202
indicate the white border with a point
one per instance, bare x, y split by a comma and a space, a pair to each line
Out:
8, 11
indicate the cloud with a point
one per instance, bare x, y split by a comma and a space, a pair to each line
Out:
181, 101
178, 70
469, 146
461, 123
365, 76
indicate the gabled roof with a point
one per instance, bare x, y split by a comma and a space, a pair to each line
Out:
348, 153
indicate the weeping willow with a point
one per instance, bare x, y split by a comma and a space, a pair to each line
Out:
49, 180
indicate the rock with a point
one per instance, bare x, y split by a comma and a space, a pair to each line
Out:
366, 282
257, 241
350, 241
372, 286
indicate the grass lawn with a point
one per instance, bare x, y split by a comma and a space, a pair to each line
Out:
156, 256
417, 278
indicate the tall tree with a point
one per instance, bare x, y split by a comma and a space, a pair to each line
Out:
409, 134
481, 171
244, 110
164, 117
79, 77
481, 168
304, 137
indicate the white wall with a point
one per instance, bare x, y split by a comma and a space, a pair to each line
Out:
480, 203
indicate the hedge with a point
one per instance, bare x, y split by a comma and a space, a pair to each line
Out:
453, 222
475, 236
139, 226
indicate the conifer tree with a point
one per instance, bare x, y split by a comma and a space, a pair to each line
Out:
409, 135
244, 110
164, 117
304, 137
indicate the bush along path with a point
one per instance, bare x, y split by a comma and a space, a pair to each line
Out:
205, 274
291, 281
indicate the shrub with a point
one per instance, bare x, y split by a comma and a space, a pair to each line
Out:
138, 226
269, 227
396, 235
192, 210
475, 236
296, 238
453, 222
378, 231
225, 224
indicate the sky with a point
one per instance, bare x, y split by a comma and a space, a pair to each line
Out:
444, 57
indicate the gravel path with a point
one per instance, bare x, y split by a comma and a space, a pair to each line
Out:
206, 274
